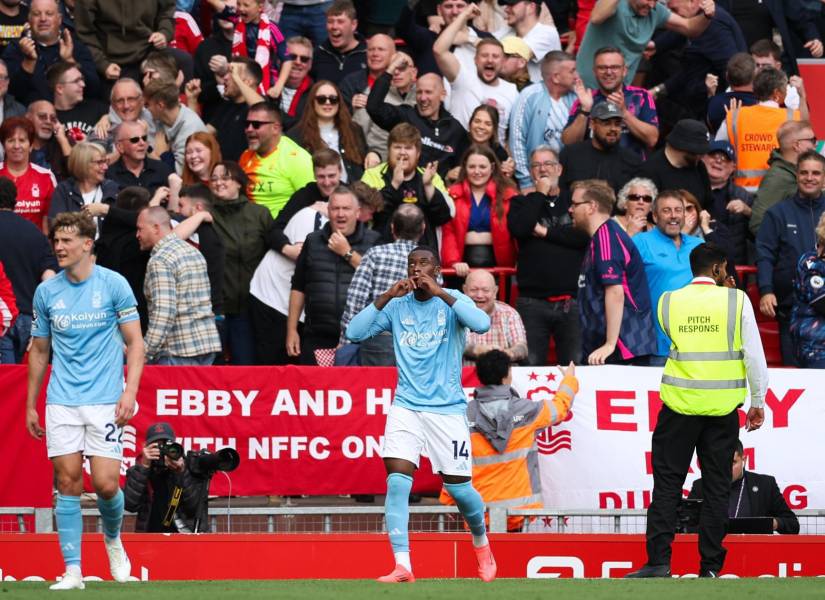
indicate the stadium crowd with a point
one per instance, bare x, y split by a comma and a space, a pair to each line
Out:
302, 148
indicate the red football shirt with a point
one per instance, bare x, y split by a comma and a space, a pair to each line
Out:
34, 192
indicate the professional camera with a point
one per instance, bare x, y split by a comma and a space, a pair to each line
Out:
171, 449
204, 463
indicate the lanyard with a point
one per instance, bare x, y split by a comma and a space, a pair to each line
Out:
739, 501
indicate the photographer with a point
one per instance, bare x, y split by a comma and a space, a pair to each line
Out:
162, 490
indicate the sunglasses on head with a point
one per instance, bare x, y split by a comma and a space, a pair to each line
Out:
326, 100
257, 124
642, 197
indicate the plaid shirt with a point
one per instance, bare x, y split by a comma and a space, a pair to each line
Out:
380, 268
177, 291
506, 330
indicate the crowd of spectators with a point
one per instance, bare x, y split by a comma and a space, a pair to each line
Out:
257, 169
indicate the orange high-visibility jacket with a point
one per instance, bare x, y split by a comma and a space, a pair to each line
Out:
509, 477
752, 133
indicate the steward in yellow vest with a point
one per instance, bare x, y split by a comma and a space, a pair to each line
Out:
716, 352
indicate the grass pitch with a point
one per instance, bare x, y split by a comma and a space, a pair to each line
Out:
438, 589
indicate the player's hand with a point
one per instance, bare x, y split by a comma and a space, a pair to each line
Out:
150, 453
462, 269
125, 409
756, 416
400, 288
33, 424
427, 284
568, 371
767, 305
293, 343
599, 355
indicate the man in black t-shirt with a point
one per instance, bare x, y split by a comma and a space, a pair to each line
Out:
79, 116
13, 16
229, 116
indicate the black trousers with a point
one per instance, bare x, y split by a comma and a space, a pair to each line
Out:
269, 328
674, 439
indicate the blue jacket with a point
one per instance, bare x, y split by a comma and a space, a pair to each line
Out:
787, 231
807, 318
533, 123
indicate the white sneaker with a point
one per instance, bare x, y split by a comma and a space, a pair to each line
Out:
71, 580
119, 564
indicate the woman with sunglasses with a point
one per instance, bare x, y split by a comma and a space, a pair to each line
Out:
200, 155
478, 236
242, 226
87, 183
327, 123
633, 205
483, 130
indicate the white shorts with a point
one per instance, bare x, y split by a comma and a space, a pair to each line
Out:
89, 429
444, 439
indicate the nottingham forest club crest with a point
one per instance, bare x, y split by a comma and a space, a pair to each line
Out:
540, 387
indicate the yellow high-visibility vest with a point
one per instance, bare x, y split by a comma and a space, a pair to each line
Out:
705, 370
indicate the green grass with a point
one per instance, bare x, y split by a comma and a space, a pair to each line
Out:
439, 589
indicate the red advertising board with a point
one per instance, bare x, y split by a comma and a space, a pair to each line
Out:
350, 556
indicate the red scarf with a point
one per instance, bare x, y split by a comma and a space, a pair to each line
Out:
305, 84
263, 54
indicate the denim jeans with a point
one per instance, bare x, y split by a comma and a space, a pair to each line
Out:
543, 320
13, 344
202, 360
308, 21
238, 339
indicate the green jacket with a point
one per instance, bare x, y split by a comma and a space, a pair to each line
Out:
243, 226
117, 31
777, 184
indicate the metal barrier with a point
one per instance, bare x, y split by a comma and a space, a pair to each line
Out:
370, 519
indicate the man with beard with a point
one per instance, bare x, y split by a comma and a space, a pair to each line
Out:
276, 166
614, 301
443, 138
665, 251
484, 86
600, 157
640, 129
677, 165
522, 18
401, 181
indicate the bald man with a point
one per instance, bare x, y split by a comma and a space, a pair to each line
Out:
182, 327
443, 139
506, 331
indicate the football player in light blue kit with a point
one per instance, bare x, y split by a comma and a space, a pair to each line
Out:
85, 314
428, 413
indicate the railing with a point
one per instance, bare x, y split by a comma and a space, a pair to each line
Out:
370, 519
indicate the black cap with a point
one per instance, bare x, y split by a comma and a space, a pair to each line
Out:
159, 431
604, 111
690, 135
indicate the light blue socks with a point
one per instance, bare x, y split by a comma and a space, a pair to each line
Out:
69, 528
397, 511
111, 511
472, 509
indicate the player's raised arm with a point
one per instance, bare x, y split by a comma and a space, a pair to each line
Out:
372, 320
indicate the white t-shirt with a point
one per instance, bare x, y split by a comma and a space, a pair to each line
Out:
541, 39
468, 91
272, 280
